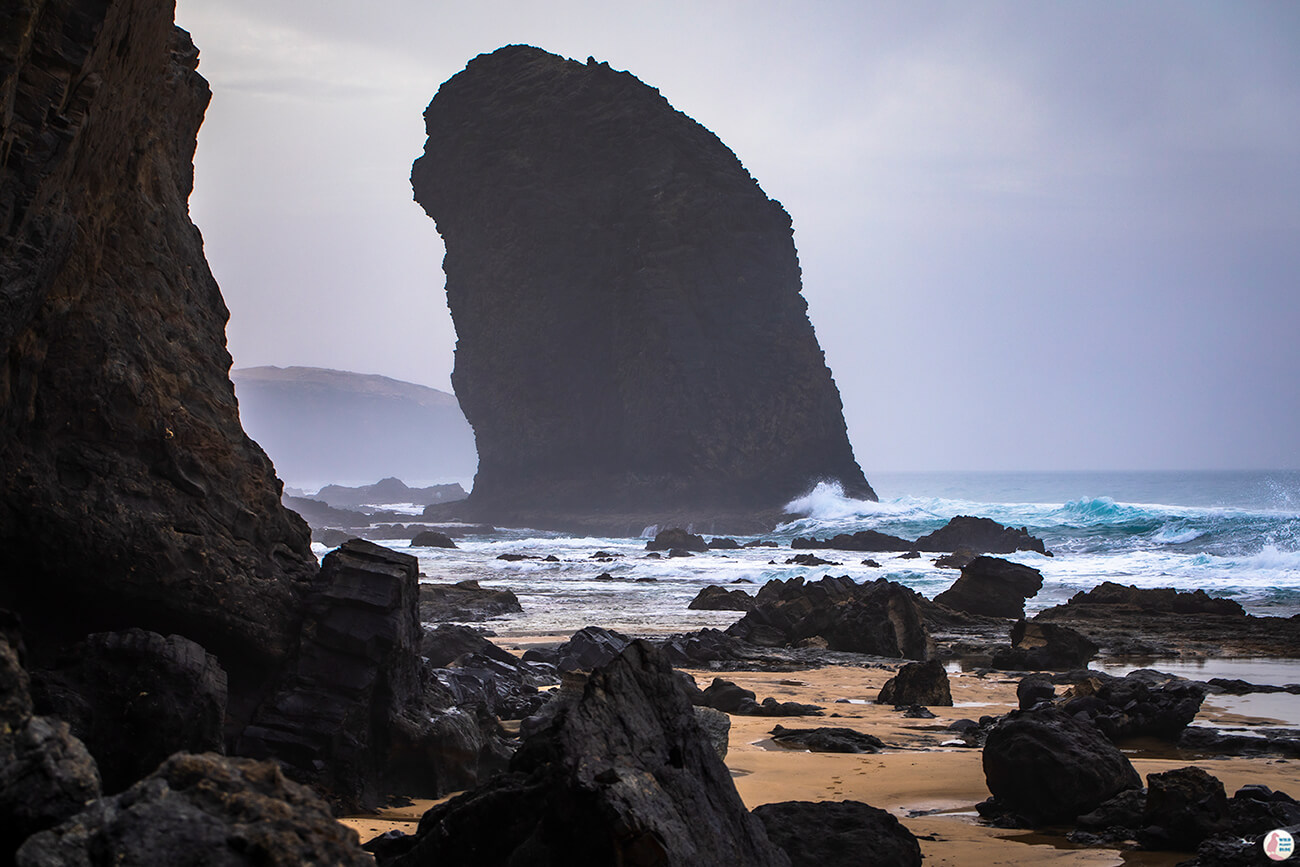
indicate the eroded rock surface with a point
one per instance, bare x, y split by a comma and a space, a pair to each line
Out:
129, 494
632, 340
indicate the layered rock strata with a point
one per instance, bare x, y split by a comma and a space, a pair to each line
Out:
129, 494
632, 340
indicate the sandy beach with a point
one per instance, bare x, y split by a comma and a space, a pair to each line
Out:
929, 783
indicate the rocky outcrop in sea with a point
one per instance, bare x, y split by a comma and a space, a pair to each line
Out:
631, 336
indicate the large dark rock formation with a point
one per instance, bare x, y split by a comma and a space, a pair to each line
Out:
129, 494
992, 587
618, 773
839, 834
632, 340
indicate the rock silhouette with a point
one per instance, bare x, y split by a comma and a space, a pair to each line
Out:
632, 340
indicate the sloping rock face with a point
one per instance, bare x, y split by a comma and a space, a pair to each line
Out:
129, 494
620, 774
631, 335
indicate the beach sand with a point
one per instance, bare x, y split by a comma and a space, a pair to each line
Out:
930, 786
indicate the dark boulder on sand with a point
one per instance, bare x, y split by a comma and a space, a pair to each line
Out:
632, 340
1043, 766
202, 809
839, 834
1183, 807
130, 495
828, 739
880, 618
923, 683
992, 587
979, 536
617, 772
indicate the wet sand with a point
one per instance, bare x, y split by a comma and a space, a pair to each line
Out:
932, 786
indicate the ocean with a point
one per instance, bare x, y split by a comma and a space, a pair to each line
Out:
1233, 534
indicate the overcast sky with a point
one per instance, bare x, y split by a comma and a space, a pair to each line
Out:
1034, 235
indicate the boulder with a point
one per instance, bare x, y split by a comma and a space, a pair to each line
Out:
839, 834
863, 540
923, 683
465, 602
1043, 766
358, 714
46, 774
955, 560
1142, 703
447, 642
809, 560
432, 539
130, 496
676, 539
771, 707
507, 689
725, 696
1039, 646
980, 536
1183, 807
134, 698
716, 598
617, 772
201, 809
588, 648
1033, 690
828, 740
881, 617
723, 543
716, 727
632, 340
1156, 600
992, 587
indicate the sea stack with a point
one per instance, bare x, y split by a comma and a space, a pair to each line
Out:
631, 337
129, 493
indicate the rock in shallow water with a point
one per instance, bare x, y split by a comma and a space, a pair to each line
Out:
632, 337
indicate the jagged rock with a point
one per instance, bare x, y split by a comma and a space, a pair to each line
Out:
923, 683
864, 540
432, 539
46, 774
676, 539
716, 598
134, 698
992, 587
980, 536
507, 688
839, 834
828, 740
771, 707
809, 560
201, 809
716, 727
1156, 600
1037, 646
700, 648
604, 244
1034, 689
447, 642
588, 648
881, 617
1183, 807
355, 715
1044, 766
619, 773
1142, 703
956, 560
130, 494
722, 543
465, 601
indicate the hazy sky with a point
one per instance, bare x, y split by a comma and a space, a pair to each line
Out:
1035, 235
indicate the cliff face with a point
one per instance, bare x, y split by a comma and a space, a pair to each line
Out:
129, 494
631, 334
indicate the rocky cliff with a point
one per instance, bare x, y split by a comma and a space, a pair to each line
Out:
631, 335
129, 494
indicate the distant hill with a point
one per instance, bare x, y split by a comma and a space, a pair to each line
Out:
333, 426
